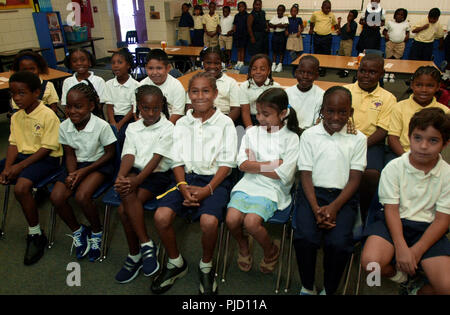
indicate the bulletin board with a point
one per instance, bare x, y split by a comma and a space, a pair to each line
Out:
15, 4
219, 3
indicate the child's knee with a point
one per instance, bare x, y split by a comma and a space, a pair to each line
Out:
22, 188
208, 223
252, 224
233, 220
83, 197
163, 218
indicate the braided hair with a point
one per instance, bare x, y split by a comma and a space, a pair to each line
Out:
427, 70
125, 53
67, 60
90, 93
252, 61
151, 90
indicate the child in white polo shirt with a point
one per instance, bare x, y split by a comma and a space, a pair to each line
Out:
415, 193
120, 93
144, 174
332, 160
157, 67
89, 149
205, 147
226, 34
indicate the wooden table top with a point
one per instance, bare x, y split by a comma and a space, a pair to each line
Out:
52, 75
192, 51
351, 63
284, 82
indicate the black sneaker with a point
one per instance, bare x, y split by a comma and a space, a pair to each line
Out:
208, 284
167, 277
35, 248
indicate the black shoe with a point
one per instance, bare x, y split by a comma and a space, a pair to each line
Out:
322, 72
35, 248
340, 73
208, 284
344, 74
167, 277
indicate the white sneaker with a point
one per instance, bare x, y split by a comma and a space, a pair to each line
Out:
237, 66
274, 66
391, 77
279, 68
386, 77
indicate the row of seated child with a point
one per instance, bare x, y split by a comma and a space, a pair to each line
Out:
158, 155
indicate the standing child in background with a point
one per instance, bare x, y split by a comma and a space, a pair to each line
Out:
293, 33
197, 39
259, 79
411, 230
371, 22
89, 150
268, 157
211, 26
327, 201
80, 61
144, 174
205, 145
347, 33
157, 67
120, 93
257, 29
321, 23
33, 154
240, 33
279, 24
227, 99
426, 31
397, 35
306, 97
185, 25
425, 83
35, 63
226, 34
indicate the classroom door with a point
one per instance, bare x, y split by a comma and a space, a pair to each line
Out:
129, 16
139, 20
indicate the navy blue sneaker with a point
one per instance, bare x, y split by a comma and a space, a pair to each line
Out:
96, 244
81, 242
150, 264
129, 271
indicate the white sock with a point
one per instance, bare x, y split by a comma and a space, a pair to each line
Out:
205, 267
34, 230
307, 291
176, 262
399, 277
149, 243
135, 258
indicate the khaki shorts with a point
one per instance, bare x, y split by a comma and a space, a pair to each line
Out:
294, 43
395, 49
346, 47
184, 34
211, 41
226, 42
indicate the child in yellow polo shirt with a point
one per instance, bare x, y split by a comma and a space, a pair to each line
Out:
372, 109
425, 83
211, 22
33, 154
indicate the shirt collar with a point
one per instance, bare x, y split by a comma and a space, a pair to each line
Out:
435, 171
432, 104
88, 128
374, 92
126, 84
161, 122
91, 75
342, 132
255, 86
211, 120
36, 111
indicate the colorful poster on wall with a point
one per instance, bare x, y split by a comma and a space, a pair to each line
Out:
15, 4
219, 3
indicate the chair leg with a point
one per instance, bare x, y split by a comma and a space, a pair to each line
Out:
52, 226
219, 250
359, 275
288, 276
225, 255
105, 233
347, 277
280, 259
5, 210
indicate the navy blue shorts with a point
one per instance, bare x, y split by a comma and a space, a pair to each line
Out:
375, 157
157, 183
107, 170
38, 171
278, 43
412, 232
214, 205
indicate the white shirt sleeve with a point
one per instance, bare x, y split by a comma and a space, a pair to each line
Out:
62, 136
242, 156
389, 188
101, 90
286, 171
179, 100
227, 155
179, 135
107, 135
443, 203
234, 97
108, 94
65, 89
129, 146
305, 156
243, 93
164, 145
359, 157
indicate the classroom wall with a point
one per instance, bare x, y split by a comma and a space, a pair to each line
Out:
17, 30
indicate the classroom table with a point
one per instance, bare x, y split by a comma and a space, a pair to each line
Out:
53, 75
9, 54
284, 82
351, 63
190, 51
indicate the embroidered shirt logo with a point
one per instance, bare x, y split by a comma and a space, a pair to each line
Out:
377, 103
37, 129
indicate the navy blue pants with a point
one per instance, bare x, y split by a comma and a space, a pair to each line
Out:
322, 44
421, 51
338, 242
121, 133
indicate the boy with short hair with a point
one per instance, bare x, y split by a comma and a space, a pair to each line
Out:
347, 33
211, 26
426, 31
226, 33
415, 194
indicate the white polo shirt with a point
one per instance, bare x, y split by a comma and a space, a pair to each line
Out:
174, 92
306, 104
283, 144
97, 82
144, 141
88, 143
397, 31
419, 195
203, 147
276, 20
226, 24
228, 95
121, 96
330, 158
250, 95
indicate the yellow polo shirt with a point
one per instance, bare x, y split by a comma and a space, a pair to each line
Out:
371, 110
402, 113
433, 32
211, 22
39, 129
50, 96
323, 22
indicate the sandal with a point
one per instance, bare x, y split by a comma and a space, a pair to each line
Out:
268, 266
245, 262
